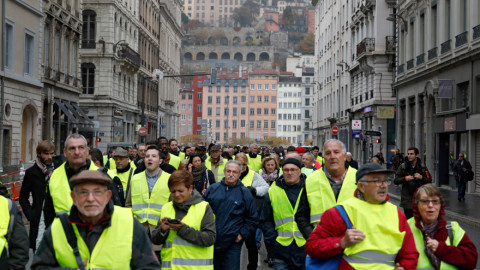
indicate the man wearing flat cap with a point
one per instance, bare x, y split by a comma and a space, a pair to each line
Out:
95, 234
379, 238
215, 162
282, 236
124, 170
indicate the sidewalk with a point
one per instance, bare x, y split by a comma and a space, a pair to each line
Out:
466, 211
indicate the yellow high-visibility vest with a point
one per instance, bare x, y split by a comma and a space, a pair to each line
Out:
248, 179
146, 206
383, 239
320, 194
4, 222
174, 161
423, 261
112, 251
284, 216
254, 164
221, 168
59, 187
177, 253
124, 178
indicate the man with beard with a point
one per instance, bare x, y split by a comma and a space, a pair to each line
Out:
254, 159
171, 159
379, 238
34, 183
173, 144
103, 236
132, 153
411, 175
123, 170
326, 187
201, 151
142, 149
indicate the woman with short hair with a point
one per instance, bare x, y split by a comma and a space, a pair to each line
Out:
202, 177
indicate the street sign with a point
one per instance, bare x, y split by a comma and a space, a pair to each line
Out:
142, 131
335, 130
356, 134
101, 134
356, 124
372, 133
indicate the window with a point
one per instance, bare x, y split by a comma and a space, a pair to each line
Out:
183, 117
183, 107
217, 136
252, 86
209, 111
252, 124
9, 48
225, 111
274, 86
307, 91
259, 123
259, 111
265, 111
307, 102
273, 111
189, 117
252, 111
199, 96
209, 99
265, 123
242, 135
272, 124
259, 86
225, 124
243, 98
234, 124
280, 117
227, 88
242, 123
183, 96
190, 96
190, 107
266, 86
218, 89
217, 123
234, 135
235, 100
227, 99
307, 113
28, 61
199, 120
242, 111
235, 89
88, 78
259, 99
274, 99
217, 111
280, 105
244, 89
252, 99
217, 100
88, 29
265, 98
66, 54
210, 90
294, 117
234, 111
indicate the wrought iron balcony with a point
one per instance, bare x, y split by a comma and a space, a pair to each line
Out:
432, 53
88, 44
461, 39
446, 46
400, 68
366, 45
391, 43
476, 32
129, 54
410, 64
420, 59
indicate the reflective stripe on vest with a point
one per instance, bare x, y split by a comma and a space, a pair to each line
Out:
4, 222
180, 253
146, 206
60, 188
284, 216
320, 194
248, 179
383, 240
220, 168
254, 164
174, 161
112, 251
423, 261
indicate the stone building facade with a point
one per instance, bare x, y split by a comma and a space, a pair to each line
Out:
289, 110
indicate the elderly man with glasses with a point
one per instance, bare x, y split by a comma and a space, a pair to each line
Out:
379, 238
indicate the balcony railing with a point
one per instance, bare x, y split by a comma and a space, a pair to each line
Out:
445, 47
461, 39
432, 53
391, 43
420, 59
366, 45
410, 64
130, 55
400, 68
88, 44
476, 32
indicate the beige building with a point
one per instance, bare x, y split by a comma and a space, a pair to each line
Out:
21, 82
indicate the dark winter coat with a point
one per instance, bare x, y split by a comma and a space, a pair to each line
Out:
409, 187
33, 183
203, 182
460, 175
235, 212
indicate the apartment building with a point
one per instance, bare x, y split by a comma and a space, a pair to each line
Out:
289, 101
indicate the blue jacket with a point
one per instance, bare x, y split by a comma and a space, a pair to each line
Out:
235, 212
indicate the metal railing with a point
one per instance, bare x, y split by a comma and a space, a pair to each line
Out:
366, 45
432, 53
410, 64
420, 59
461, 39
476, 32
445, 47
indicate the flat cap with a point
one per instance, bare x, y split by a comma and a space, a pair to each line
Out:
120, 152
371, 168
293, 161
89, 176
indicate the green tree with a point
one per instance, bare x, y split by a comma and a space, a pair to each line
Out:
307, 45
185, 18
288, 16
243, 16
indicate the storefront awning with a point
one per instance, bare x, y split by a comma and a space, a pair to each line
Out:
84, 115
81, 117
70, 117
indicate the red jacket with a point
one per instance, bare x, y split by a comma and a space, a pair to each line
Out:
324, 242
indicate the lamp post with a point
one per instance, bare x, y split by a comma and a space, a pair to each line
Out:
340, 64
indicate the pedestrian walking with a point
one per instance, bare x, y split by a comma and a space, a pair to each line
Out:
463, 173
269, 171
202, 177
235, 216
379, 237
216, 163
95, 234
350, 162
397, 159
186, 228
281, 232
34, 184
171, 159
442, 244
123, 169
411, 175
254, 158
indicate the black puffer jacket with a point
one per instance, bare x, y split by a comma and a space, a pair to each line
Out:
409, 187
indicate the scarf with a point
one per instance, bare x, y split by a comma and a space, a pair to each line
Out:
242, 175
428, 230
252, 155
269, 177
46, 170
198, 172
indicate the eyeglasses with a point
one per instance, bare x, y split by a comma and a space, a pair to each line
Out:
244, 164
290, 170
85, 193
427, 202
378, 182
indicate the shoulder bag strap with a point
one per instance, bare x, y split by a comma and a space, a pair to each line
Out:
450, 231
344, 215
12, 220
72, 239
128, 183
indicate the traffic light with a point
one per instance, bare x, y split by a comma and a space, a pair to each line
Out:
99, 139
213, 76
378, 140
